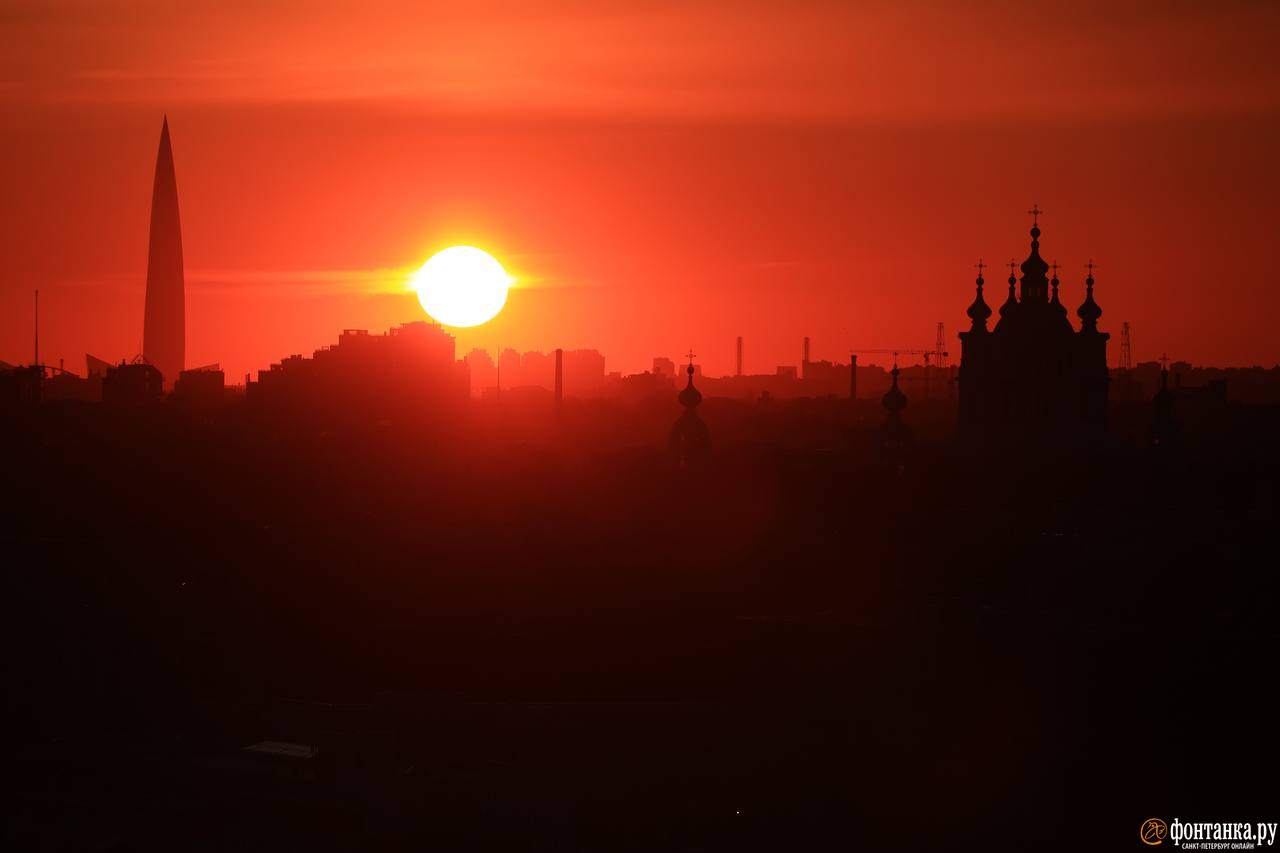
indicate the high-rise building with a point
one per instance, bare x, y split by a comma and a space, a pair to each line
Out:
409, 372
164, 330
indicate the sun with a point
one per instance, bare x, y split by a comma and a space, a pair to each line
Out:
462, 286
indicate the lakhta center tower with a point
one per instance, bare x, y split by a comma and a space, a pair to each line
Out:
164, 321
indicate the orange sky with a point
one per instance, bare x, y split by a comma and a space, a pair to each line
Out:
659, 175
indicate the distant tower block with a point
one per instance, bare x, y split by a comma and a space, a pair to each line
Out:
804, 364
164, 321
738, 372
1126, 348
559, 376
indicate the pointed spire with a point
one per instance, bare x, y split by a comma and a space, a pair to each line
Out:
164, 314
979, 311
1089, 312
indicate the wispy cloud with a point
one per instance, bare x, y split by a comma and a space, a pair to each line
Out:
382, 280
822, 59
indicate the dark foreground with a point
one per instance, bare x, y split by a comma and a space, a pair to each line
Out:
482, 636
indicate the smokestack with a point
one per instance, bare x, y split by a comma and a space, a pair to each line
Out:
804, 365
739, 373
853, 377
559, 376
37, 356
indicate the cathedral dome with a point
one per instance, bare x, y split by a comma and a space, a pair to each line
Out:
979, 311
1011, 303
894, 400
690, 397
1034, 266
1089, 311
1058, 308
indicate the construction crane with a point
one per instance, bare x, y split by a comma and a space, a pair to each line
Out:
926, 354
931, 358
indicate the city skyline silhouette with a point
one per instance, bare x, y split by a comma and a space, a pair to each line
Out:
773, 509
304, 218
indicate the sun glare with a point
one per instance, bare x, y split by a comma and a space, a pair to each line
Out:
462, 286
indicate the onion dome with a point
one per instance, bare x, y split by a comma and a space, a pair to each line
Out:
979, 311
894, 400
1034, 283
1034, 265
1058, 307
690, 397
1089, 312
1010, 304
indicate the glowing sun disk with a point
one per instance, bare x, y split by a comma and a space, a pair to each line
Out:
462, 286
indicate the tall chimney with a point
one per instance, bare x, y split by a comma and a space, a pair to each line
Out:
739, 373
559, 376
804, 365
853, 377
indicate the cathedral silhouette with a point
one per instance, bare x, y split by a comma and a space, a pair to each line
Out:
690, 443
1034, 378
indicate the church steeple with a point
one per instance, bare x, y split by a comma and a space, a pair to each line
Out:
1089, 312
1058, 307
894, 400
1035, 287
1011, 303
690, 441
895, 435
690, 397
979, 311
